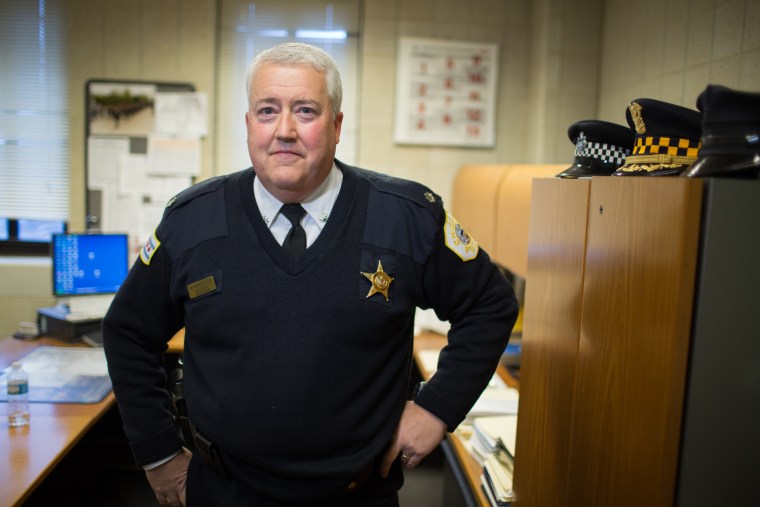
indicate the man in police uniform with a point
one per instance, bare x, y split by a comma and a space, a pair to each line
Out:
297, 281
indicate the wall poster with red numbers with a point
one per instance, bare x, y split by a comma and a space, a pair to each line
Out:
446, 92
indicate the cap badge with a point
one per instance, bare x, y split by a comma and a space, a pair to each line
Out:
381, 281
638, 120
581, 145
430, 197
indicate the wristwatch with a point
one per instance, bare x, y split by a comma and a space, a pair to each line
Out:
417, 389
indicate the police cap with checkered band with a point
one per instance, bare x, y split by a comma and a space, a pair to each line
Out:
730, 134
667, 138
600, 148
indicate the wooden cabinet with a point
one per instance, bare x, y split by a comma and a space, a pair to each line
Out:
609, 363
551, 327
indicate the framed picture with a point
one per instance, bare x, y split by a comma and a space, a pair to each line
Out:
446, 92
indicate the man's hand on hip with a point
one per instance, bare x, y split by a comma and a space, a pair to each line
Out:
417, 434
168, 480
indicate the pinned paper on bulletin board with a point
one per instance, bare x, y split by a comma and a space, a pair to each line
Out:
446, 92
143, 147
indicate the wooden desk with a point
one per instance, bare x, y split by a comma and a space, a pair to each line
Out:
29, 453
469, 466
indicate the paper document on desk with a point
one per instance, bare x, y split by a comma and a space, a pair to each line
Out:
429, 360
427, 320
496, 431
497, 399
64, 375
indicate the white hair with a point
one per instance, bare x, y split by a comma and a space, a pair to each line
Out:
295, 54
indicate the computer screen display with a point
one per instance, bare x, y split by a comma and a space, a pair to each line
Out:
39, 230
85, 264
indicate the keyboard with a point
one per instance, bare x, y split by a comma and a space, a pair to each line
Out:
93, 338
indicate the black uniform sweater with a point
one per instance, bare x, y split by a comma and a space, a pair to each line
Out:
297, 368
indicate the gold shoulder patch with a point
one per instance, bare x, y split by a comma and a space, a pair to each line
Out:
457, 240
149, 249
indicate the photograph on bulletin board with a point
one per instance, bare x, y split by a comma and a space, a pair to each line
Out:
143, 146
121, 108
446, 92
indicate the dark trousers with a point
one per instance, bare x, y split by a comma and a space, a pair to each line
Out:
206, 488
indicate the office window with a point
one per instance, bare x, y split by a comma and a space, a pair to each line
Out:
34, 122
248, 27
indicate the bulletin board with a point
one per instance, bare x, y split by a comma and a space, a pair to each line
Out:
446, 92
143, 146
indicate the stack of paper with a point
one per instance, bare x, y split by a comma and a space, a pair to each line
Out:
496, 481
497, 399
493, 444
496, 433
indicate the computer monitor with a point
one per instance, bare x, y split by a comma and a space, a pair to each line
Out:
88, 264
39, 231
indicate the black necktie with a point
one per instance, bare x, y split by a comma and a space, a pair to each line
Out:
295, 241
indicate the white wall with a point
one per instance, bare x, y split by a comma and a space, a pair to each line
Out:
671, 49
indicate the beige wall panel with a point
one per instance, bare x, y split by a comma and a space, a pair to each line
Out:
701, 43
513, 214
475, 195
27, 284
123, 41
160, 51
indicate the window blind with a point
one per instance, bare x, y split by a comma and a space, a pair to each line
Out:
248, 27
34, 121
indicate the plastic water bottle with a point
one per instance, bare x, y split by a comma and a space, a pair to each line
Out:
18, 396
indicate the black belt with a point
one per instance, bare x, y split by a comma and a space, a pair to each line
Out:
211, 456
358, 481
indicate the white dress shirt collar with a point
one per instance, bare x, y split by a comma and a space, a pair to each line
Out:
318, 206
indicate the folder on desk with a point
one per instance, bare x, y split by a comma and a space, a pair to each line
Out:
496, 481
496, 432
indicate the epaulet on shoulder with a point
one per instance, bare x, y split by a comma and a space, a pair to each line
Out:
194, 191
408, 190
